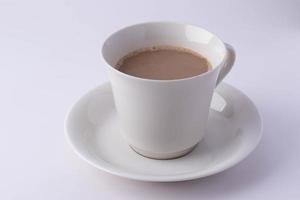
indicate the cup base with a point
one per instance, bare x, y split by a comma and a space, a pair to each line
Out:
163, 156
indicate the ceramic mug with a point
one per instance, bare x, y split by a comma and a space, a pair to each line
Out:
165, 119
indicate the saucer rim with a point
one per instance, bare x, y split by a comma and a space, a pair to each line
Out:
110, 168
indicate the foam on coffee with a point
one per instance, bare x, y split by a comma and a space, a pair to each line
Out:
163, 63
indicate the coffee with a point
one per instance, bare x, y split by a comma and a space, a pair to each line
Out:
163, 63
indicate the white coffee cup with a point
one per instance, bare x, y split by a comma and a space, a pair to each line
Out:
165, 119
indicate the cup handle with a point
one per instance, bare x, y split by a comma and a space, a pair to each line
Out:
228, 63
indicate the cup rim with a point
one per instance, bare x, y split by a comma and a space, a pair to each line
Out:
158, 80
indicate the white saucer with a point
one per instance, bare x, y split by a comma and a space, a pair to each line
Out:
234, 130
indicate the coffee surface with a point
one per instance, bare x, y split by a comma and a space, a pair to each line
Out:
163, 63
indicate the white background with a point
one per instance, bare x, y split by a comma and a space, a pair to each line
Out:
49, 57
